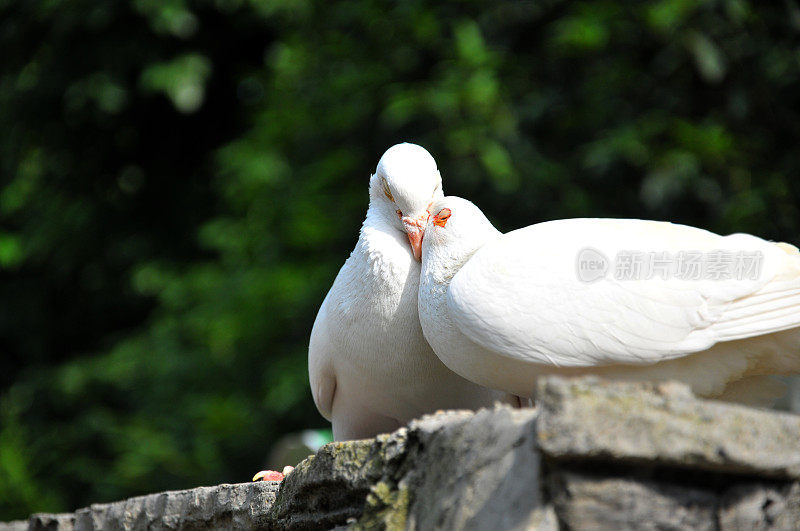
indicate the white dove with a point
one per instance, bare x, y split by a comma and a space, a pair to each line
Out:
370, 368
619, 298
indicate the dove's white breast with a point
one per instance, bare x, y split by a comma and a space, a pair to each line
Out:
367, 342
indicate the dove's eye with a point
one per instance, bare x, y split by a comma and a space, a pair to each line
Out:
387, 191
441, 218
399, 214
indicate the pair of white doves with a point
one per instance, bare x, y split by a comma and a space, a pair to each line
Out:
485, 313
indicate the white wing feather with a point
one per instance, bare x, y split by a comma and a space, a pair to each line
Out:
520, 296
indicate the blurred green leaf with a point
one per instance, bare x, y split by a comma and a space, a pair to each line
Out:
582, 33
11, 253
667, 15
182, 80
708, 57
169, 16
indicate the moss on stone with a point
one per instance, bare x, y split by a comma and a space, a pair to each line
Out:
386, 508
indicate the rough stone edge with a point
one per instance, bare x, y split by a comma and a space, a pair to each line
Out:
587, 500
663, 424
243, 505
339, 475
382, 482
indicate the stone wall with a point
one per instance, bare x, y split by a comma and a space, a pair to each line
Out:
593, 455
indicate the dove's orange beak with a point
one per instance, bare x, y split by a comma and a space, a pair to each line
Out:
415, 229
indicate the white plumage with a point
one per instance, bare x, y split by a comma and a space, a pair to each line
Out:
503, 309
370, 368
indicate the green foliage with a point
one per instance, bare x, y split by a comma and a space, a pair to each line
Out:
183, 79
181, 181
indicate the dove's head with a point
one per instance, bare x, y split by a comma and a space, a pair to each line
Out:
404, 185
456, 230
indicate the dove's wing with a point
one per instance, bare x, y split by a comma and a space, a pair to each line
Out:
523, 296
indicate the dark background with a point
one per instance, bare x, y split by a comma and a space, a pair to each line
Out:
181, 180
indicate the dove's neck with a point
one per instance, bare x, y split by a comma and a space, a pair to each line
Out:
439, 267
387, 256
440, 264
381, 218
